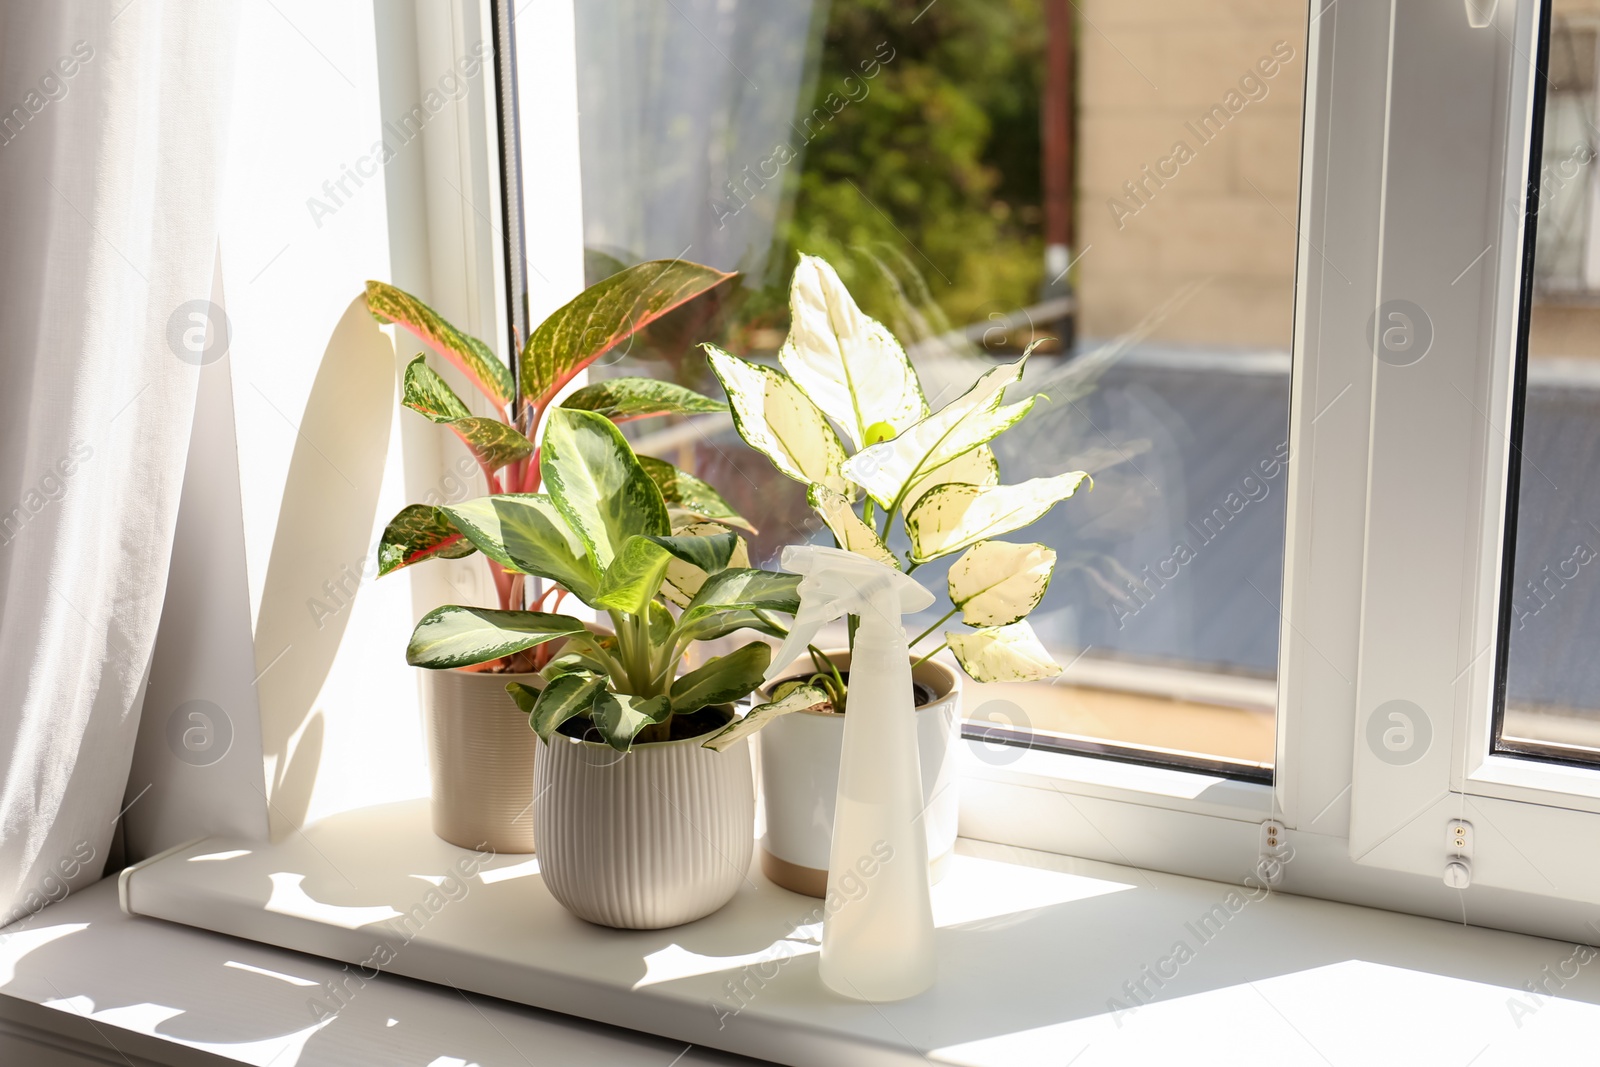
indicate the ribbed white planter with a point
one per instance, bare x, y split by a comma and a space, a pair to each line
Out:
800, 780
481, 753
659, 836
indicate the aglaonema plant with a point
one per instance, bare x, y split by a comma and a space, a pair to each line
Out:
505, 445
603, 531
898, 461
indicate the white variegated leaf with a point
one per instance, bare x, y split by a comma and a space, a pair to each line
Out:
888, 471
978, 467
951, 517
801, 698
852, 534
684, 579
1003, 654
997, 583
850, 365
778, 420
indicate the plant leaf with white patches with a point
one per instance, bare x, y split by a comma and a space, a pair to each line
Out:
951, 517
997, 583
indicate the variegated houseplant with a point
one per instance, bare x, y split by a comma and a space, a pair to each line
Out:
933, 471
480, 750
504, 445
653, 836
845, 414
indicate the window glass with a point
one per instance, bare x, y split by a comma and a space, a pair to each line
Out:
1552, 604
1117, 181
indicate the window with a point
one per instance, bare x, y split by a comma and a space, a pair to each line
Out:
1119, 182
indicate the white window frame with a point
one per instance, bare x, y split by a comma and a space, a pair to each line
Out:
1415, 159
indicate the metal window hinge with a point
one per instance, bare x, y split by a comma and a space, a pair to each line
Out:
1274, 852
1458, 854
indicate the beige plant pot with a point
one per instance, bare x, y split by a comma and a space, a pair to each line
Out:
800, 779
481, 754
655, 837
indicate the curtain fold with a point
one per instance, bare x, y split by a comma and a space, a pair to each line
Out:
111, 143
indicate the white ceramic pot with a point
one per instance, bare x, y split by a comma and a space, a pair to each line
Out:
655, 837
481, 753
800, 779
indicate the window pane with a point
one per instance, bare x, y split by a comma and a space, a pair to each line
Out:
1116, 180
1552, 675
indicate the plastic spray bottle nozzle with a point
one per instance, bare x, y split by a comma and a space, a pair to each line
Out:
835, 583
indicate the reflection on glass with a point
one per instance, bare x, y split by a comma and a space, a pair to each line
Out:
1119, 179
1552, 676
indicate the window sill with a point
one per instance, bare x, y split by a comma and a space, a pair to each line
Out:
1040, 958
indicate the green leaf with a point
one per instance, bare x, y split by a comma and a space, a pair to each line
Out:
685, 493
597, 483
492, 443
722, 623
721, 678
951, 517
978, 467
620, 716
778, 420
523, 532
636, 574
887, 471
852, 534
604, 315
996, 583
684, 579
622, 399
850, 365
745, 591
582, 653
455, 636
1003, 654
469, 354
419, 532
563, 698
800, 698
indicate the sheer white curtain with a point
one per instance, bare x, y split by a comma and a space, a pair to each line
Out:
110, 144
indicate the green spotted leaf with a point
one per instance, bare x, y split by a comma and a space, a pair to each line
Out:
952, 517
492, 443
569, 695
455, 636
622, 399
603, 316
684, 578
635, 575
526, 534
620, 716
419, 532
598, 485
687, 494
722, 678
470, 355
742, 595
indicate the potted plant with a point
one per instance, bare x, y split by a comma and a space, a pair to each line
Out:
481, 754
933, 472
639, 825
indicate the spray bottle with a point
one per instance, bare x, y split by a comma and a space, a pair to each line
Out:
877, 935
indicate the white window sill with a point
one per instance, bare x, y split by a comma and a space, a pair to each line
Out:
1033, 949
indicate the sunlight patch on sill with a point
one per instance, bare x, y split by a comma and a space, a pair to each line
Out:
288, 898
